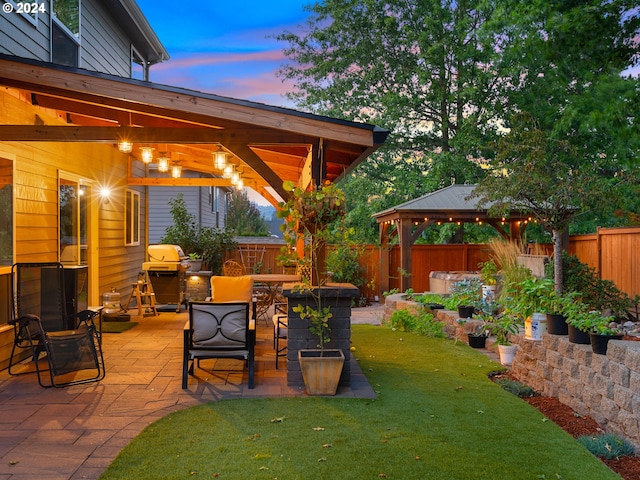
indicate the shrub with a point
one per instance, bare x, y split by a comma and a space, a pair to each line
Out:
421, 322
606, 445
598, 294
518, 389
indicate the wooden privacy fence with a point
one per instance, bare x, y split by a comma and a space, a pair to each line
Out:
614, 252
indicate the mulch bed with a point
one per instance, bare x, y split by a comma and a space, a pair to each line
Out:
576, 425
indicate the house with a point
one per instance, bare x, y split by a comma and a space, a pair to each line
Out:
75, 186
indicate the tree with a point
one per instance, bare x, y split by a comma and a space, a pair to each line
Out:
571, 142
414, 67
244, 217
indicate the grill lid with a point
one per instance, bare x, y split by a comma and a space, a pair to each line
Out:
166, 253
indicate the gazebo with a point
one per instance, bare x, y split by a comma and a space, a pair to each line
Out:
452, 204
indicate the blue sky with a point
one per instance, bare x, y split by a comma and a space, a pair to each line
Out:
223, 47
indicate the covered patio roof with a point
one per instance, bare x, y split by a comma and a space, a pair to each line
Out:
268, 144
452, 204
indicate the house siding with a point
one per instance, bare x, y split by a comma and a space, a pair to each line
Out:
105, 47
37, 167
19, 36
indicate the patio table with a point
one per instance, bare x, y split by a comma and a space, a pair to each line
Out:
269, 284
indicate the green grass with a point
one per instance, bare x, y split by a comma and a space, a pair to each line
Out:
437, 416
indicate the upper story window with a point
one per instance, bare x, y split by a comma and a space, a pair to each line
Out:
65, 32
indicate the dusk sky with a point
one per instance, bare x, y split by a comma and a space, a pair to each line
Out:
222, 47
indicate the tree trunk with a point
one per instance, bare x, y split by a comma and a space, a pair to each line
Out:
557, 260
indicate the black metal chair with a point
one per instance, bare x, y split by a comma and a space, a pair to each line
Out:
280, 321
219, 330
71, 343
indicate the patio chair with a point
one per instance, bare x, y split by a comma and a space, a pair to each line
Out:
280, 321
71, 343
231, 268
218, 330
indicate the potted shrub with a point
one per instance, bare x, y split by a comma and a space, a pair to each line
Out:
502, 328
489, 276
602, 333
195, 262
587, 326
311, 211
465, 295
526, 300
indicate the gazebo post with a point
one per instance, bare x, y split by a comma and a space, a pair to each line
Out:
384, 256
404, 236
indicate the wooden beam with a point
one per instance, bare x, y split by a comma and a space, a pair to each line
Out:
179, 182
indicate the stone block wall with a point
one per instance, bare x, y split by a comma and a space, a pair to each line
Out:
604, 387
198, 285
339, 298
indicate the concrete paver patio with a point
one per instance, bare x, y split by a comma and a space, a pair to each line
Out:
76, 432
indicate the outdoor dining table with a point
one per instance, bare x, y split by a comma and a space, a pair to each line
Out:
269, 284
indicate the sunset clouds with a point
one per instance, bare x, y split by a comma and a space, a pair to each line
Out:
226, 48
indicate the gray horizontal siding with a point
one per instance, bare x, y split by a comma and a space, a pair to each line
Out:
105, 47
19, 36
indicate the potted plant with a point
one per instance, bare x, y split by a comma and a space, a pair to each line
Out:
587, 326
310, 211
195, 262
602, 333
465, 294
503, 328
526, 300
489, 276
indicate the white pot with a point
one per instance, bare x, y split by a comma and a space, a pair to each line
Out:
488, 293
535, 326
507, 352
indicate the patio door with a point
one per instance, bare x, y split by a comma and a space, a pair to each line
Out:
75, 240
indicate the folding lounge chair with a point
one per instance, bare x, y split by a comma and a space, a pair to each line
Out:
71, 343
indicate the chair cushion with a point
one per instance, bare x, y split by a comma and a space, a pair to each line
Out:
232, 289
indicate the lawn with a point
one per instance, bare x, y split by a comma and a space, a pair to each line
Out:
437, 416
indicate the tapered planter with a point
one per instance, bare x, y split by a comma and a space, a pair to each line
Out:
465, 311
507, 352
557, 324
599, 342
477, 341
321, 374
578, 336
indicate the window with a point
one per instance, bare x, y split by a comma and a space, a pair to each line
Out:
73, 199
132, 218
65, 32
6, 212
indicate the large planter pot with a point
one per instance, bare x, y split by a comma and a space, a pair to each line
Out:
557, 324
321, 374
578, 336
507, 352
535, 326
599, 342
465, 311
195, 265
477, 341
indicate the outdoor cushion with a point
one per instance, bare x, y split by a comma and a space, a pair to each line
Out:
232, 289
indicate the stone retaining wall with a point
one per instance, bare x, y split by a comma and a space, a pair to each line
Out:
604, 387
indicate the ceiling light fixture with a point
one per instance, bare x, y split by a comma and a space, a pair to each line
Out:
220, 159
163, 163
125, 146
176, 171
228, 171
147, 154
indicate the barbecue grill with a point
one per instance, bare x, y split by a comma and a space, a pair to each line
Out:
166, 269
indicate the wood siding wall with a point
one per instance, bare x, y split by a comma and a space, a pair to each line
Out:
37, 167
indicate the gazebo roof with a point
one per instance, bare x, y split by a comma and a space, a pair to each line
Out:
451, 203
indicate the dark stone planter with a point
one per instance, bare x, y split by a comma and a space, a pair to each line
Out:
477, 341
599, 342
577, 336
557, 324
465, 311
